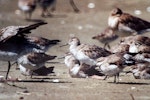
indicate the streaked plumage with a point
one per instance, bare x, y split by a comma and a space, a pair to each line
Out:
112, 65
86, 53
74, 66
125, 22
142, 57
106, 37
141, 71
144, 40
137, 44
42, 43
120, 48
78, 70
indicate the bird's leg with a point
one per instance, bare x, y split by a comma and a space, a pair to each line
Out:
43, 12
115, 79
106, 45
105, 77
31, 74
118, 78
48, 13
9, 65
29, 16
53, 8
74, 6
16, 65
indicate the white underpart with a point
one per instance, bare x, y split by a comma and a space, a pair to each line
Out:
81, 56
133, 48
27, 64
136, 73
69, 61
23, 70
145, 75
127, 56
147, 59
84, 58
75, 69
113, 21
109, 70
142, 58
23, 6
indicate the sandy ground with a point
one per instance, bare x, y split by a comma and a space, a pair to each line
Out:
59, 85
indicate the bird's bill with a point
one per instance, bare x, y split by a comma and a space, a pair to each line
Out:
64, 45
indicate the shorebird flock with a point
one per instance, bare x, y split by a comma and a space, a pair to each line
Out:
29, 6
132, 51
83, 60
29, 52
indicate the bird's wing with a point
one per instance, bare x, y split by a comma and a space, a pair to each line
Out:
11, 31
37, 58
94, 51
133, 22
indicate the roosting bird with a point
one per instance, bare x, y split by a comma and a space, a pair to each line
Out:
33, 61
78, 70
125, 22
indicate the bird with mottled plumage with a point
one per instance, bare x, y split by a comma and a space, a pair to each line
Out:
33, 61
86, 53
112, 65
142, 57
106, 37
145, 40
126, 22
14, 42
120, 48
77, 70
141, 70
137, 44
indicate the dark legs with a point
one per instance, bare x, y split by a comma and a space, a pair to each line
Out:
9, 65
116, 78
74, 6
107, 45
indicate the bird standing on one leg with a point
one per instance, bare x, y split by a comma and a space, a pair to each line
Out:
34, 61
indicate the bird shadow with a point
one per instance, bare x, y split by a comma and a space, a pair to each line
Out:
34, 20
42, 80
131, 83
56, 16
